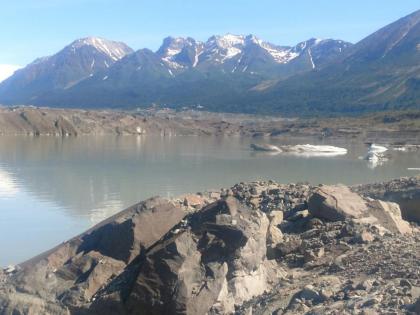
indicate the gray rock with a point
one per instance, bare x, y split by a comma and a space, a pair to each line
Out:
162, 257
288, 246
336, 203
78, 268
388, 215
274, 234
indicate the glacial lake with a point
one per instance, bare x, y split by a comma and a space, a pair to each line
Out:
53, 188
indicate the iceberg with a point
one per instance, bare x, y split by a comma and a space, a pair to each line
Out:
306, 150
316, 149
309, 150
377, 148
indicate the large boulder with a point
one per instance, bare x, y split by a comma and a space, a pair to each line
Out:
336, 203
75, 270
218, 260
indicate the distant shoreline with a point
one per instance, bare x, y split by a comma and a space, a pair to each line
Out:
400, 127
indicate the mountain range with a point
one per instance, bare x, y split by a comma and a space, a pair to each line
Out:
232, 73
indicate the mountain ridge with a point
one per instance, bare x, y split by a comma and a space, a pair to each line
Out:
224, 62
75, 62
380, 72
236, 73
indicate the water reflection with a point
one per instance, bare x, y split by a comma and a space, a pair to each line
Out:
8, 188
77, 182
104, 211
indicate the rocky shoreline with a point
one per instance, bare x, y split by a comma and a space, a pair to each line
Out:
395, 128
255, 248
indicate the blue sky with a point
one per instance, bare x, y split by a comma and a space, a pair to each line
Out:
34, 28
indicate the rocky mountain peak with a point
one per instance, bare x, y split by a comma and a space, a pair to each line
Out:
173, 45
180, 52
226, 41
79, 62
401, 36
221, 48
114, 50
252, 39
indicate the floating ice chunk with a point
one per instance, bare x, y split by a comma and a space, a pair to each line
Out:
309, 148
305, 150
377, 148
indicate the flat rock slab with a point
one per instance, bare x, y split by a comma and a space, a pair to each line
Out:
336, 203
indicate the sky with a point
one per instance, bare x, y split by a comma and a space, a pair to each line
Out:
35, 28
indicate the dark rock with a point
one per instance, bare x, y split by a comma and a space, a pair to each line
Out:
77, 269
288, 246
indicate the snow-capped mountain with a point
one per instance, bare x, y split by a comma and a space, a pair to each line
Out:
179, 53
319, 51
231, 73
114, 50
229, 52
222, 48
380, 72
99, 68
81, 59
219, 49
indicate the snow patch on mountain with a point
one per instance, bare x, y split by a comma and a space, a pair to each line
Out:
311, 59
173, 47
196, 57
280, 55
229, 40
222, 48
182, 53
114, 50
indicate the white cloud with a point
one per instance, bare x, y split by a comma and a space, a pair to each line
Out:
7, 70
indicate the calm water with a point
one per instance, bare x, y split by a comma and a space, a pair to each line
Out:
53, 188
